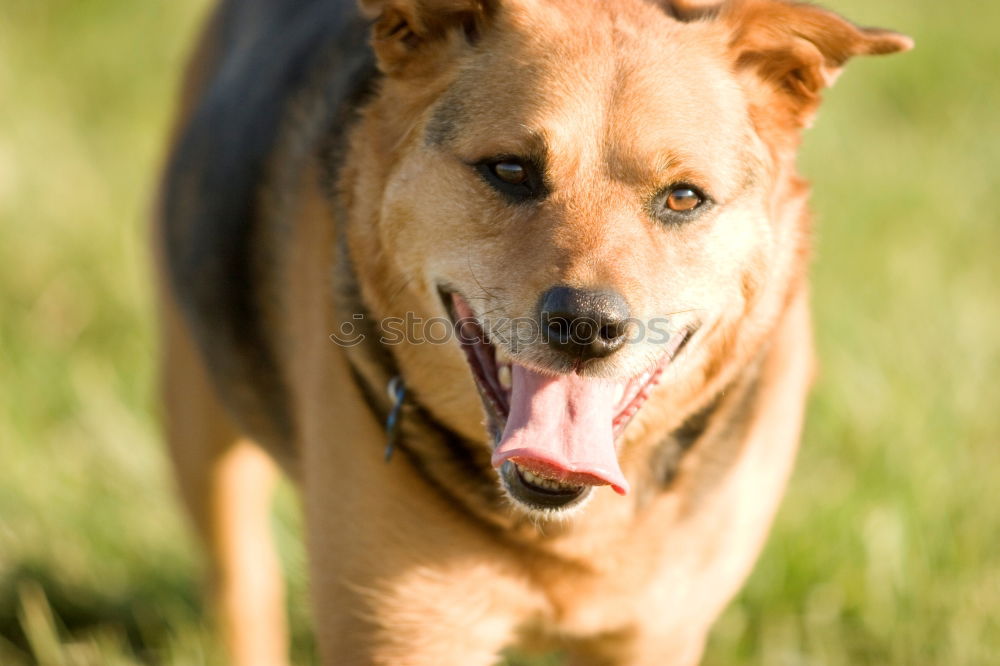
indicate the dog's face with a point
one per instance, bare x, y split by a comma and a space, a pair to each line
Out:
588, 190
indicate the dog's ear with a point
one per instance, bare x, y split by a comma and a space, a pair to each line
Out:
406, 32
788, 52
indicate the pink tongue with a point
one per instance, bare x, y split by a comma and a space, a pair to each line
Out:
561, 427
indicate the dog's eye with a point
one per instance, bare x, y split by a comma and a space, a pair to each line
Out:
678, 203
683, 199
516, 178
510, 172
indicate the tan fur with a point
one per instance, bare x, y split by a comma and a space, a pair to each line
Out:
622, 99
225, 481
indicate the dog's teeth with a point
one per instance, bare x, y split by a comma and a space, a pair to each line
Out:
542, 482
504, 377
501, 355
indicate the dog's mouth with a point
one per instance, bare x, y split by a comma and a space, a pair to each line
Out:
555, 434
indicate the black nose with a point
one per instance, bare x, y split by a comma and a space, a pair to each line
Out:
584, 324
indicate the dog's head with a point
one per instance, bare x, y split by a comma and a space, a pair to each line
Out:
601, 197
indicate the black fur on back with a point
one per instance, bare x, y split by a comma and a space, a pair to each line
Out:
265, 54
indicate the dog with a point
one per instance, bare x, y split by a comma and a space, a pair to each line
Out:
515, 292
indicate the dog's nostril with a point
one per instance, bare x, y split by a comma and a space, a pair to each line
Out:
614, 331
584, 323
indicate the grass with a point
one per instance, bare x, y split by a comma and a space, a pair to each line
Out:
887, 548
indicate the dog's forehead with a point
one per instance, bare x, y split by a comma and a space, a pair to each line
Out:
636, 90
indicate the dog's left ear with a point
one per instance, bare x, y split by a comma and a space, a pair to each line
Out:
791, 51
407, 34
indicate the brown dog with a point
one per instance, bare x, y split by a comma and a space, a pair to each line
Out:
569, 237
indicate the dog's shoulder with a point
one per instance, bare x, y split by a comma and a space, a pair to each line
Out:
260, 60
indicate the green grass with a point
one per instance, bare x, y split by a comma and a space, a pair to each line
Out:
887, 548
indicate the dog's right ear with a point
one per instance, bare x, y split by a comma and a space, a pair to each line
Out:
408, 34
788, 52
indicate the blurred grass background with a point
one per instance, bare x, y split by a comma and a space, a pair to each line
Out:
887, 548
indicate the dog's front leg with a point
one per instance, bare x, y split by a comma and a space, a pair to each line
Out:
680, 648
640, 646
400, 575
398, 586
425, 616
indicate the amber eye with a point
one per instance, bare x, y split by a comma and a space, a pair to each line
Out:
510, 172
679, 203
683, 199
